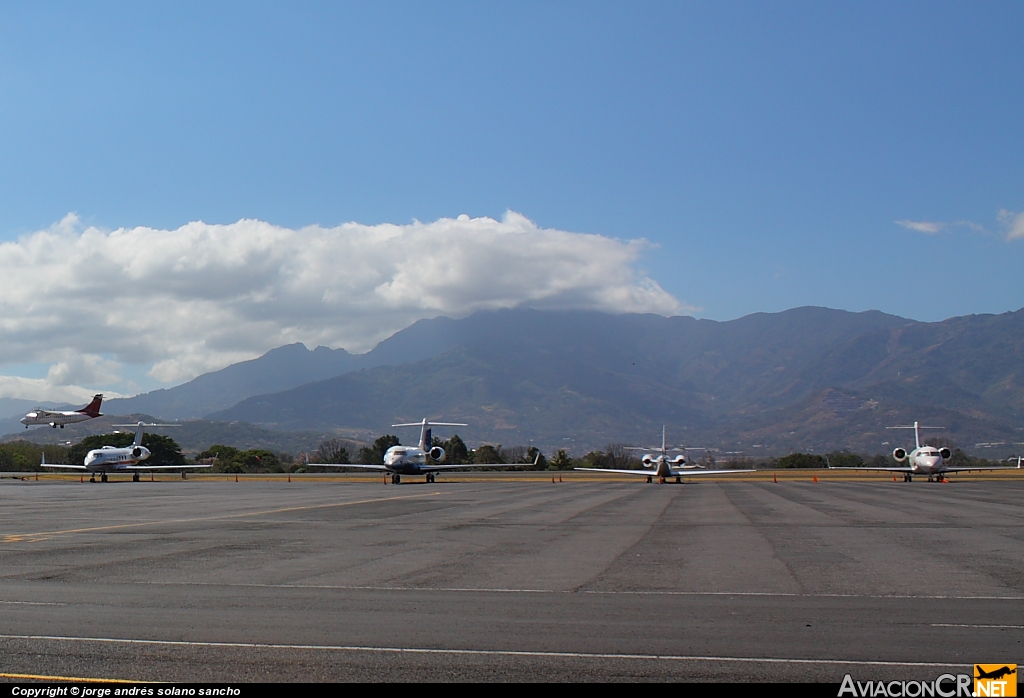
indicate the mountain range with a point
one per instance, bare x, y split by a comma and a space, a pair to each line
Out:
805, 379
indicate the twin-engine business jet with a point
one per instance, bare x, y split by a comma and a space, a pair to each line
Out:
59, 419
662, 465
410, 460
111, 459
925, 460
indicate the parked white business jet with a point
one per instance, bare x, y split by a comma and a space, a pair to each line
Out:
412, 460
662, 465
59, 419
925, 460
112, 459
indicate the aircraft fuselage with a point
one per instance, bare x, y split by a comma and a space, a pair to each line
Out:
53, 419
406, 460
109, 459
926, 461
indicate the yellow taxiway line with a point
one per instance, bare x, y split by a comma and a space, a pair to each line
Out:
70, 679
31, 537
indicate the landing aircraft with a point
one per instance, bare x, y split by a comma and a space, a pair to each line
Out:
412, 460
925, 460
59, 419
111, 459
663, 465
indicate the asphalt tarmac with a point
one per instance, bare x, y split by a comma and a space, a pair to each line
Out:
510, 579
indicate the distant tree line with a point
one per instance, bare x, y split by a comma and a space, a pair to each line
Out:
24, 456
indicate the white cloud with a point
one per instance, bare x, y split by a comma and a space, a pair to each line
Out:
1014, 224
203, 296
929, 227
86, 369
43, 390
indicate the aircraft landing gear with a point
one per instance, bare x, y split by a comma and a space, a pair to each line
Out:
396, 479
931, 479
907, 478
103, 477
679, 480
649, 480
92, 478
661, 481
430, 477
135, 477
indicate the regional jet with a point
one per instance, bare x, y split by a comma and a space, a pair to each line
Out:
925, 460
59, 419
413, 460
112, 459
662, 465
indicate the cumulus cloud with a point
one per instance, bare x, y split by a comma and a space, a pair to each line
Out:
203, 296
43, 390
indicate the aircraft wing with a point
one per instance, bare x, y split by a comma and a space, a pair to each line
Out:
675, 473
867, 469
624, 472
163, 467
969, 468
434, 468
363, 466
692, 473
62, 465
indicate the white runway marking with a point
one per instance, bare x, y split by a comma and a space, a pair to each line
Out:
975, 625
479, 652
34, 603
501, 590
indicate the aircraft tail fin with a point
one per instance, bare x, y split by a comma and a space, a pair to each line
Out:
425, 433
917, 427
93, 408
138, 435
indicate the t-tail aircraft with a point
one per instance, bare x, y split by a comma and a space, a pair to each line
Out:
113, 459
659, 465
59, 419
925, 460
413, 460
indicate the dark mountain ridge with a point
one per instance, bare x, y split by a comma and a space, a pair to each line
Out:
810, 378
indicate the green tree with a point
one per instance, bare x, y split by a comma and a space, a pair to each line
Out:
260, 460
487, 454
332, 451
226, 458
24, 456
845, 459
802, 460
561, 461
374, 455
164, 450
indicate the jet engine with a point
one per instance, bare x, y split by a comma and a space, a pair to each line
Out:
899, 454
647, 460
136, 452
945, 453
437, 453
679, 460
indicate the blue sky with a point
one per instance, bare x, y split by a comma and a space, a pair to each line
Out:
766, 151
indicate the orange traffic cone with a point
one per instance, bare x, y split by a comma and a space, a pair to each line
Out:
815, 478
775, 477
